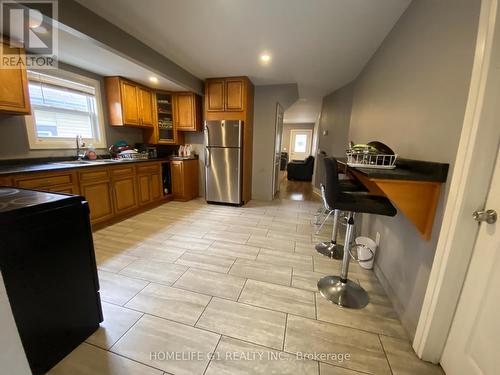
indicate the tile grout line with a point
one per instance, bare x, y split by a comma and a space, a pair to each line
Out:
385, 354
316, 305
204, 309
124, 333
211, 359
241, 291
149, 282
124, 356
284, 332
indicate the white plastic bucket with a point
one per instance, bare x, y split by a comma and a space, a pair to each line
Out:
366, 252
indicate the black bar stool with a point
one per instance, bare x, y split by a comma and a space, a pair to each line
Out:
339, 289
331, 248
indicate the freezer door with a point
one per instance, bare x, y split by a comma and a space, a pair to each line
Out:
223, 175
224, 133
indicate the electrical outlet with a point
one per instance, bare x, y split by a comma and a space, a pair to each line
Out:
377, 239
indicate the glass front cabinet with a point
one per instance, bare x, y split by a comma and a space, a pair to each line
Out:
165, 131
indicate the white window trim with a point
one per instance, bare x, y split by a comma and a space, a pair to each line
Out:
40, 143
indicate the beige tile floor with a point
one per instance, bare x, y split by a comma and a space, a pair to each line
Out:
191, 288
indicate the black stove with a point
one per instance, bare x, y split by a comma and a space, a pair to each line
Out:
48, 266
12, 199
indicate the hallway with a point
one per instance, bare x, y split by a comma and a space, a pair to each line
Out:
296, 190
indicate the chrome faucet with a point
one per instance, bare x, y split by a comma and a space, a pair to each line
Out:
79, 145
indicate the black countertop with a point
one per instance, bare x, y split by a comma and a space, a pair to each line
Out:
52, 164
406, 169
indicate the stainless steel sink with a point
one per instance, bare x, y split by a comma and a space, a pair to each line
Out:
111, 160
97, 161
75, 162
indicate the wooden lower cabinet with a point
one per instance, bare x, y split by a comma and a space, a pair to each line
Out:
111, 191
184, 179
144, 183
66, 189
156, 186
124, 194
98, 195
150, 188
5, 181
58, 182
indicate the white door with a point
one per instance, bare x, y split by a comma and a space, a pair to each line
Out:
300, 143
277, 147
473, 345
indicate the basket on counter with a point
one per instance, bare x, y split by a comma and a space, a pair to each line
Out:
133, 155
366, 158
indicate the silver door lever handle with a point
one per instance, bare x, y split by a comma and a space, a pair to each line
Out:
490, 216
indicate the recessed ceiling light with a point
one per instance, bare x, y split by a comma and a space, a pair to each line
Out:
153, 79
265, 58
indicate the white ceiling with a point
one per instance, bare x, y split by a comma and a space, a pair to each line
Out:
86, 54
319, 44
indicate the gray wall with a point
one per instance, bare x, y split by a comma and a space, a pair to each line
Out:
14, 138
412, 96
335, 119
265, 101
285, 139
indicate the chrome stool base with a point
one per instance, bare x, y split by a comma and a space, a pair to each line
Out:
330, 249
346, 294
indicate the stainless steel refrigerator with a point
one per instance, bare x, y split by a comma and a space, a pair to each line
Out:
223, 161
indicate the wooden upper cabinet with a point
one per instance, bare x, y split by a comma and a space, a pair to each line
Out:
214, 95
129, 104
146, 104
187, 107
14, 96
234, 94
226, 94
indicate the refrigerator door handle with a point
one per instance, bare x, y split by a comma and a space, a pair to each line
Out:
207, 157
207, 138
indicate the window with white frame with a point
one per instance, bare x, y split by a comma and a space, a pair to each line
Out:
64, 105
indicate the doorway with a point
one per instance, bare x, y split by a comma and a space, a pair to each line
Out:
452, 317
295, 179
278, 136
474, 339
